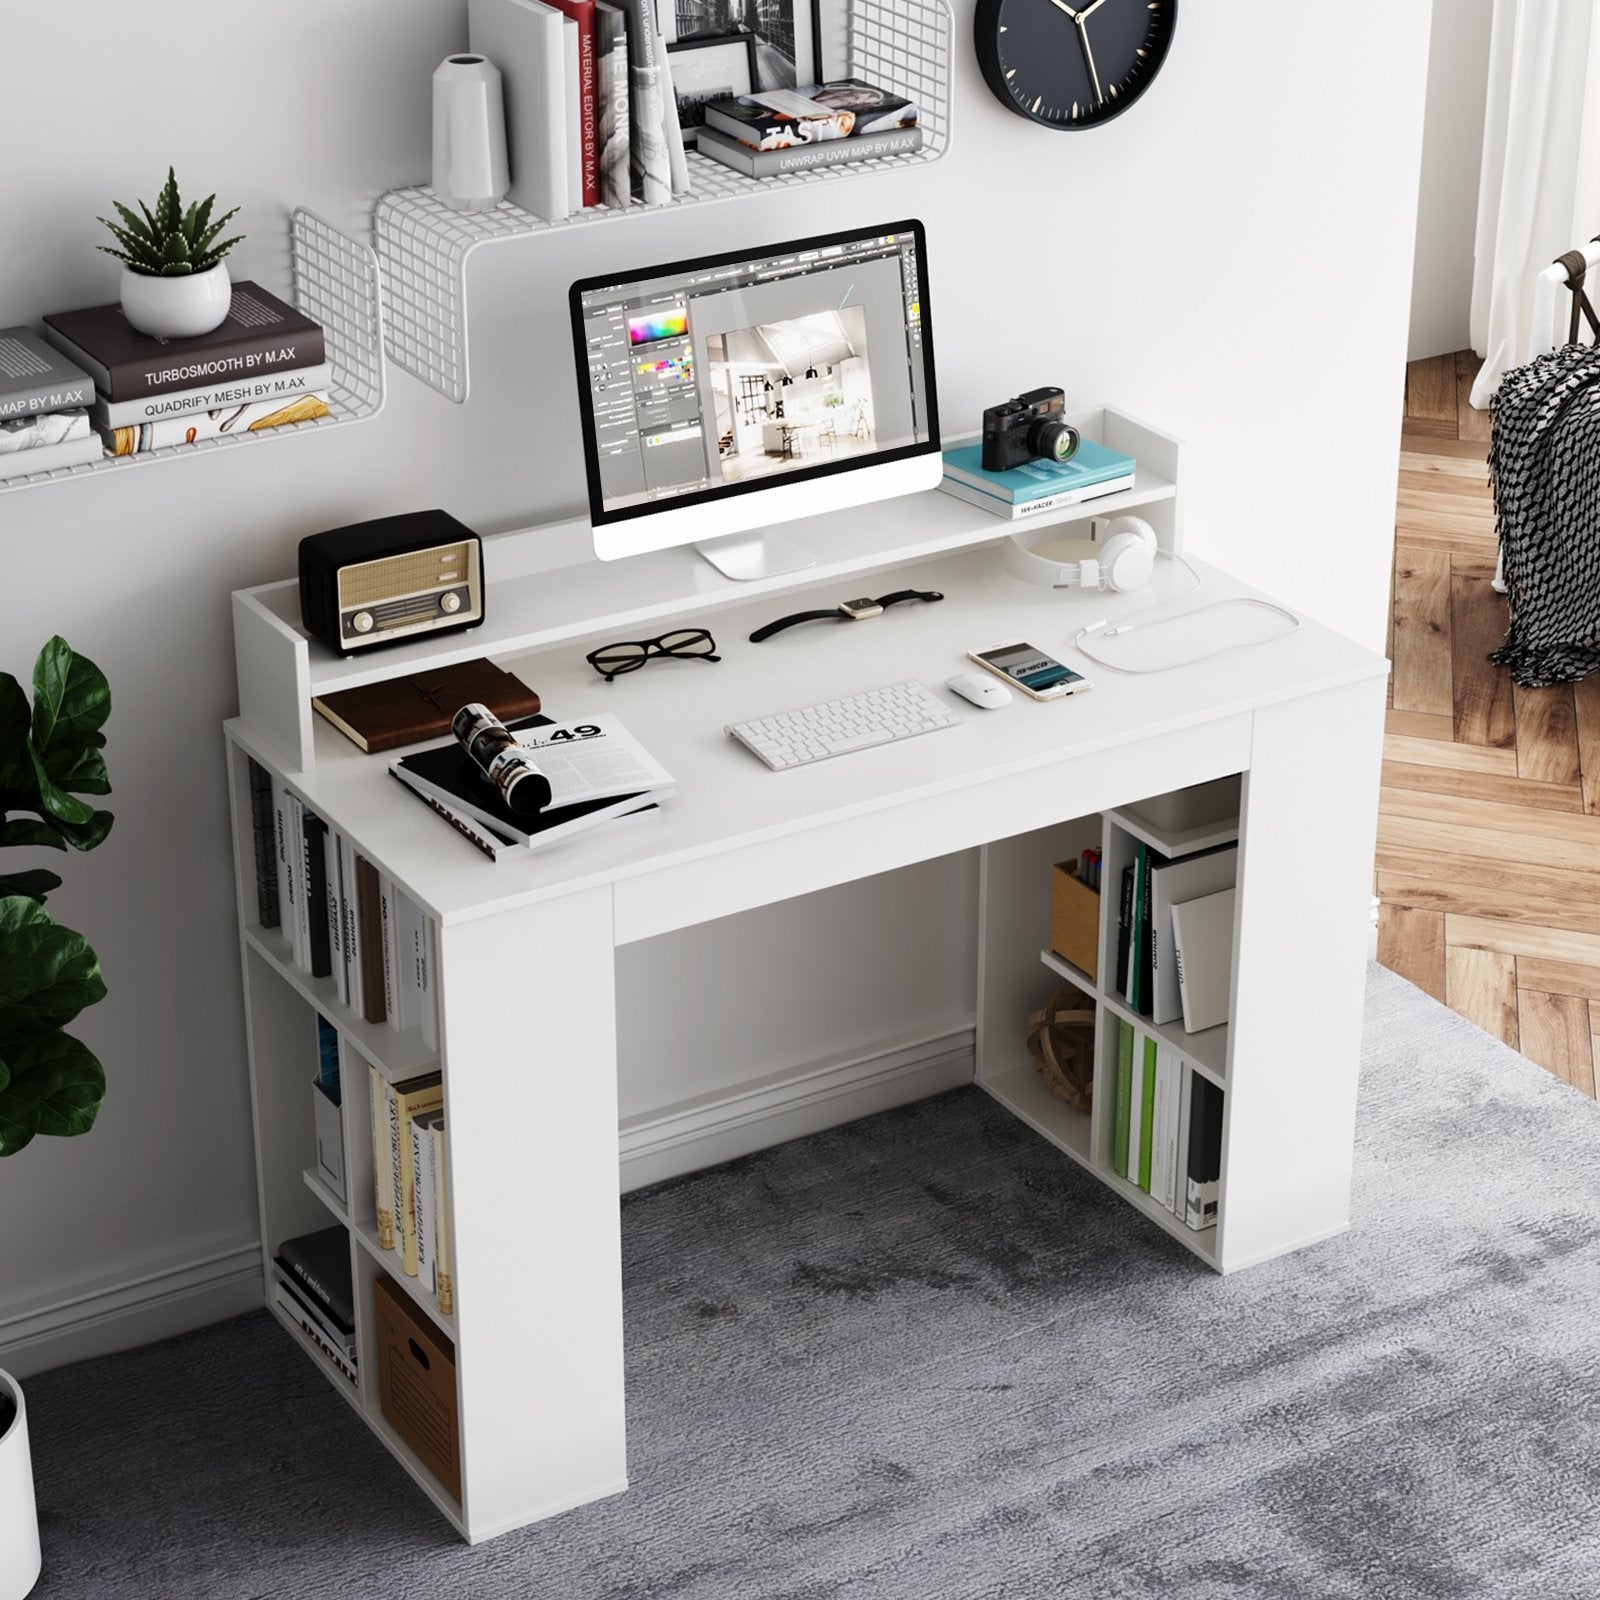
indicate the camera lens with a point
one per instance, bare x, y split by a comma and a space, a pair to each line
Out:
1055, 441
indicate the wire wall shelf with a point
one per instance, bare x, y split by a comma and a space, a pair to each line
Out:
423, 245
336, 285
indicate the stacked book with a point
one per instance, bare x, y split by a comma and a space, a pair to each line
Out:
264, 367
1167, 1127
343, 918
311, 1286
409, 1179
44, 408
1037, 485
1175, 935
591, 119
821, 125
598, 773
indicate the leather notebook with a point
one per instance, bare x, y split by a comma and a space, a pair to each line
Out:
419, 706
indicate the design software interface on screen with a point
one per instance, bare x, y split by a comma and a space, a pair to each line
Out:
719, 375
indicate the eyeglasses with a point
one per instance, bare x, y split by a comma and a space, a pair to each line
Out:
692, 644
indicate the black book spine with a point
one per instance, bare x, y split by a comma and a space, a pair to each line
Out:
340, 1312
1124, 928
317, 896
1147, 943
1203, 1161
262, 826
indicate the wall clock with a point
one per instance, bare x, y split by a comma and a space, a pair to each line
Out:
1069, 65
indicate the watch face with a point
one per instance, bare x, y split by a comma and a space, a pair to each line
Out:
1067, 65
865, 607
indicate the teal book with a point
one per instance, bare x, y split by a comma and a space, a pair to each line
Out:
1147, 1122
1119, 1127
1092, 467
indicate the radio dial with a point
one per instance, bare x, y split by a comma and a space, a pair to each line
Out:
362, 622
450, 601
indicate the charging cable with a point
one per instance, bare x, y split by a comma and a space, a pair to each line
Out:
1106, 629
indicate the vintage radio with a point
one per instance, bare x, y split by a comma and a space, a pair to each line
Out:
389, 580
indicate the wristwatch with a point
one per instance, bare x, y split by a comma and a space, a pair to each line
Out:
845, 611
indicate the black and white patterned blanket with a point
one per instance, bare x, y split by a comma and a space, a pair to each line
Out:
1544, 464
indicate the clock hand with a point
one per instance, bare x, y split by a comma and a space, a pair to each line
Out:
1083, 35
1089, 10
1061, 5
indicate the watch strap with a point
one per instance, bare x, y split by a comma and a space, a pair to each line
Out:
836, 615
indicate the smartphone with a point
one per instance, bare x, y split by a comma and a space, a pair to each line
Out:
1032, 670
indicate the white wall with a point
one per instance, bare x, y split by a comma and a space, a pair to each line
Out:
1230, 259
1452, 158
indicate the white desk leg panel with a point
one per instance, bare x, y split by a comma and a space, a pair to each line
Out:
1309, 825
531, 1109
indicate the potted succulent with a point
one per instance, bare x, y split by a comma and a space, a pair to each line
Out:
174, 281
50, 1083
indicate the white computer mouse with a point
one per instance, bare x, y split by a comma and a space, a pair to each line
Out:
981, 691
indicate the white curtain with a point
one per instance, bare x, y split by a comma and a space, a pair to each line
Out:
1539, 193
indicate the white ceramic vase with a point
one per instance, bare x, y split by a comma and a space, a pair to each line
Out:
176, 308
470, 170
19, 1520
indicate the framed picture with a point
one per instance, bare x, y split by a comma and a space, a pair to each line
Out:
709, 68
784, 31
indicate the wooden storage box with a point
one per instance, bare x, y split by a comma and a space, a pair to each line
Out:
1074, 919
417, 1384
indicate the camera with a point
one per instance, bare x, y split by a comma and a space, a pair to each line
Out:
1018, 431
500, 760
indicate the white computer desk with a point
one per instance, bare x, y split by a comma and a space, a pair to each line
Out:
532, 1110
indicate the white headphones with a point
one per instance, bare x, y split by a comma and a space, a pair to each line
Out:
1123, 560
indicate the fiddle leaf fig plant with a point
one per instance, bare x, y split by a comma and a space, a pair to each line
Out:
50, 754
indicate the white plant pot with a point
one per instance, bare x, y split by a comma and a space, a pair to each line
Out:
19, 1521
176, 308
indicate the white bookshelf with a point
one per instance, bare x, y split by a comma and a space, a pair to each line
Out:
424, 245
336, 285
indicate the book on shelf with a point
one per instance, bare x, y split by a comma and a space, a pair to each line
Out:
779, 119
319, 1262
1202, 957
425, 961
407, 934
328, 1074
263, 837
336, 1357
1122, 1124
333, 911
388, 937
319, 928
139, 439
526, 40
1136, 940
417, 706
583, 110
1017, 510
611, 55
382, 1172
650, 104
304, 1304
1093, 471
443, 1257
247, 391
52, 457
806, 157
412, 1098
40, 429
368, 943
1204, 1163
1149, 1060
260, 334
572, 136
349, 918
426, 1204
294, 846
1187, 878
1164, 1138
36, 378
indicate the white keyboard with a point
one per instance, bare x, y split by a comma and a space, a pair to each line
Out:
836, 727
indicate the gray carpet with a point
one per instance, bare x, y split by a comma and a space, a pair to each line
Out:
923, 1356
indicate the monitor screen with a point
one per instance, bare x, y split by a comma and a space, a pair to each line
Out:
707, 379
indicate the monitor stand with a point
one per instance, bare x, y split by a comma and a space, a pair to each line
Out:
745, 557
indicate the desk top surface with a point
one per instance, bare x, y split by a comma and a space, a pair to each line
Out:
726, 798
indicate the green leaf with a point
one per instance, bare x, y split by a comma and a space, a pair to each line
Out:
136, 225
64, 1082
54, 802
150, 217
86, 835
35, 883
71, 698
19, 1119
20, 831
16, 764
48, 974
169, 208
87, 773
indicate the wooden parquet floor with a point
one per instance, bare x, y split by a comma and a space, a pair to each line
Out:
1488, 864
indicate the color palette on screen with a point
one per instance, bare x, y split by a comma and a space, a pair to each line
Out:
669, 324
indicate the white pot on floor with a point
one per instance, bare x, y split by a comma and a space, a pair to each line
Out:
19, 1521
177, 308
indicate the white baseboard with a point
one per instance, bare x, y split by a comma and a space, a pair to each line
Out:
184, 1294
701, 1132
111, 1316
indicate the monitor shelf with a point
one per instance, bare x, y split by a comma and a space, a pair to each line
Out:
423, 246
336, 285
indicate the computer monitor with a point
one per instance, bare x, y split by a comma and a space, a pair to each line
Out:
725, 394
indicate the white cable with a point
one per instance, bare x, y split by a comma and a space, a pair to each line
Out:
1123, 625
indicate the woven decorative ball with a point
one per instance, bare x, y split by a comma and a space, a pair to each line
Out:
1061, 1042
